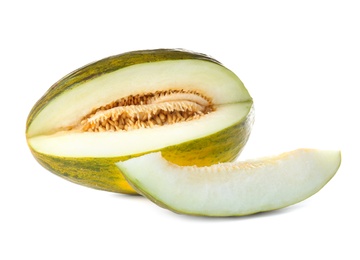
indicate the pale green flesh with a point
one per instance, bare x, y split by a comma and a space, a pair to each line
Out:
210, 79
232, 189
110, 144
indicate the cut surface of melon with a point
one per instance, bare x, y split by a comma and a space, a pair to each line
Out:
212, 80
51, 132
232, 189
108, 144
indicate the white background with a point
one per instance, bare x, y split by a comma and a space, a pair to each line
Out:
300, 61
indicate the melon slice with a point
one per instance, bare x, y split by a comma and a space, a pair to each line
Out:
232, 189
185, 104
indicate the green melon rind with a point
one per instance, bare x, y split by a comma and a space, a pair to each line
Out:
110, 64
102, 173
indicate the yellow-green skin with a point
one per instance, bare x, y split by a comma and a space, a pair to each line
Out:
101, 173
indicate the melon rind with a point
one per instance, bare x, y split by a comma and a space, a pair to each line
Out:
101, 173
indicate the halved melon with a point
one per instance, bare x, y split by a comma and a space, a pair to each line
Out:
184, 104
232, 189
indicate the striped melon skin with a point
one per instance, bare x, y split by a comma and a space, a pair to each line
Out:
101, 172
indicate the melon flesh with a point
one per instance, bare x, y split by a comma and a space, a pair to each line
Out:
229, 97
215, 81
232, 189
108, 144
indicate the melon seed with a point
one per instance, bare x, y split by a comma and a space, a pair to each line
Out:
147, 110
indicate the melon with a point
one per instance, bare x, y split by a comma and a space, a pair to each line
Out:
185, 104
232, 189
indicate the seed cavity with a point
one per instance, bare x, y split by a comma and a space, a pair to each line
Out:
147, 111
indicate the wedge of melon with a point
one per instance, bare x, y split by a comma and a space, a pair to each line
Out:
185, 104
232, 189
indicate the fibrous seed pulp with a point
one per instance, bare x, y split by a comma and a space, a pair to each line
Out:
147, 110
